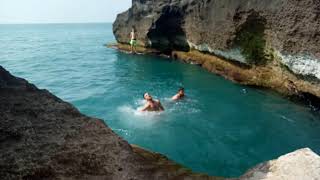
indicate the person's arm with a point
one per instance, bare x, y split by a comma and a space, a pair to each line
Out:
175, 97
145, 107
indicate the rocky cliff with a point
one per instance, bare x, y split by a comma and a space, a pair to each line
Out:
43, 137
281, 34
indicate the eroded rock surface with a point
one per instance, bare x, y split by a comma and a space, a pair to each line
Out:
43, 137
299, 165
249, 31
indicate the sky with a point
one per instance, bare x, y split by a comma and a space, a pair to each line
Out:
60, 11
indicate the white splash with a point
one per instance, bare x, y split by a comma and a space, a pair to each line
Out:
302, 64
136, 112
132, 117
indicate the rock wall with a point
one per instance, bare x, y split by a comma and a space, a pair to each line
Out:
249, 31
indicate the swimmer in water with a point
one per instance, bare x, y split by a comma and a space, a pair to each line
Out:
151, 105
179, 95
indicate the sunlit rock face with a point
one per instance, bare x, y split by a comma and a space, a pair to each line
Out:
303, 64
248, 31
231, 54
298, 165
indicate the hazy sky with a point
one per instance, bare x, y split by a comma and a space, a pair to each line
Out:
60, 11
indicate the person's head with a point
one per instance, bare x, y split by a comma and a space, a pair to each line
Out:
181, 91
133, 29
147, 96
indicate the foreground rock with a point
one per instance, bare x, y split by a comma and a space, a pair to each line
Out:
277, 40
43, 137
299, 165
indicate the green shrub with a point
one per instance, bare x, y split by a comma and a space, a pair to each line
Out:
250, 38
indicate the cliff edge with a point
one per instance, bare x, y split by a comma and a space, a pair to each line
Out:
276, 41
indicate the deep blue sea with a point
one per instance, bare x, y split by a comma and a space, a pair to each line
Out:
221, 128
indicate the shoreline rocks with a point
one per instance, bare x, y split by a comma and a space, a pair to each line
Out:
273, 76
278, 40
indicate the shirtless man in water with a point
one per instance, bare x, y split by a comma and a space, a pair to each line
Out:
151, 105
179, 95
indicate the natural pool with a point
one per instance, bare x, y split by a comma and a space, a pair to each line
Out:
221, 128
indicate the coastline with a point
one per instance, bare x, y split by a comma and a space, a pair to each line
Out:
47, 138
273, 75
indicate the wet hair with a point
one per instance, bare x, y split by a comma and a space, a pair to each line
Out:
181, 89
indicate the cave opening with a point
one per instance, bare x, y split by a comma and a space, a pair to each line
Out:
166, 33
250, 37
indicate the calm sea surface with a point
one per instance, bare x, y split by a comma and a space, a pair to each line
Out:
221, 128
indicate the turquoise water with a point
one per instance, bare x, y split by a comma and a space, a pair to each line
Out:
220, 129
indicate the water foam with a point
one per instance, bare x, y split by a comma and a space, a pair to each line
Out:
129, 110
132, 116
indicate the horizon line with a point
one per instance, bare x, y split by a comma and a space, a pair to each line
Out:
35, 23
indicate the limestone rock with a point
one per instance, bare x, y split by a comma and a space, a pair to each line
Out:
302, 164
243, 30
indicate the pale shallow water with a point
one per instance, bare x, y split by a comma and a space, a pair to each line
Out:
220, 129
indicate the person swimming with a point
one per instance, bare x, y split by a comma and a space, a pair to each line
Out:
151, 105
179, 95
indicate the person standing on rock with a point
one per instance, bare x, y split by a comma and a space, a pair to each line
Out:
133, 41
